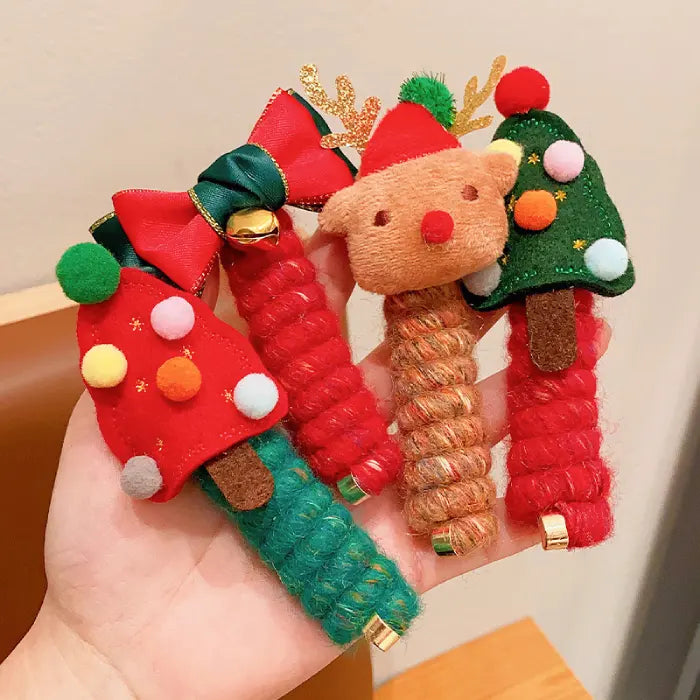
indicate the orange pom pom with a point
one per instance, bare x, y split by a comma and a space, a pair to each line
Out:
179, 379
535, 210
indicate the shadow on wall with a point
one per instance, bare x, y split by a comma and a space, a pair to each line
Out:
668, 610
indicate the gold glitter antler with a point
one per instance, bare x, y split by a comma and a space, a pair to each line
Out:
474, 98
358, 124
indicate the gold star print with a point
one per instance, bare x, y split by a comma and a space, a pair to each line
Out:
159, 445
135, 324
511, 203
504, 259
141, 386
187, 352
579, 244
560, 195
228, 395
533, 159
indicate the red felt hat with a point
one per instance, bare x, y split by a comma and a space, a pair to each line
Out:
406, 132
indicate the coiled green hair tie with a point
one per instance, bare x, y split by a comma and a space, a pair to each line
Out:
322, 557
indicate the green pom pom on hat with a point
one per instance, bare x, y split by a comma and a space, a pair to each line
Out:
416, 127
88, 273
431, 93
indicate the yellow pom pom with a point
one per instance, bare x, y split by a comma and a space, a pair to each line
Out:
103, 366
514, 150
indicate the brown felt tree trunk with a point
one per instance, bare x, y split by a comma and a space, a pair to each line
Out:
242, 477
551, 329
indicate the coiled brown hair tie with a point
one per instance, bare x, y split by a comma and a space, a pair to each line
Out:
449, 493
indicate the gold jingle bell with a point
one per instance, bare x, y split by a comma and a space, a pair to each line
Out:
250, 226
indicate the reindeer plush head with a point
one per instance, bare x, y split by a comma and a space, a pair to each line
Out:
422, 211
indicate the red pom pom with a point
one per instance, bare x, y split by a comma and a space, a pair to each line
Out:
520, 91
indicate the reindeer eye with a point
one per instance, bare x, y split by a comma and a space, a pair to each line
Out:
382, 218
470, 193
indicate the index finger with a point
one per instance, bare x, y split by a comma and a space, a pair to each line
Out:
329, 255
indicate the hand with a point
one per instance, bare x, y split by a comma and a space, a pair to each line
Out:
166, 601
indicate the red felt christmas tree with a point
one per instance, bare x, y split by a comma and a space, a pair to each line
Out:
173, 385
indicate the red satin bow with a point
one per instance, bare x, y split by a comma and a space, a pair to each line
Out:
166, 230
169, 232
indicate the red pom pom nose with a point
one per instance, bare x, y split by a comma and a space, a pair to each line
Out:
520, 91
437, 227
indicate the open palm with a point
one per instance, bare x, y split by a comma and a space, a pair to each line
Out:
170, 601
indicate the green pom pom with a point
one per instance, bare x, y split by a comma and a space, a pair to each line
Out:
88, 273
433, 94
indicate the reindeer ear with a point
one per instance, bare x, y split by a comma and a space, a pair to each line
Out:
334, 217
503, 167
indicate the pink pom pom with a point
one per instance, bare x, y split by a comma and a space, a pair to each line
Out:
563, 160
172, 318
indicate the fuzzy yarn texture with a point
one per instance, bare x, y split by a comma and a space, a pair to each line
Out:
321, 556
333, 416
554, 462
438, 415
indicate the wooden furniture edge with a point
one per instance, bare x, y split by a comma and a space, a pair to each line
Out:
32, 302
515, 662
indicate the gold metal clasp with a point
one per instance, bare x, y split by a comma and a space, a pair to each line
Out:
441, 539
380, 634
351, 491
553, 532
250, 226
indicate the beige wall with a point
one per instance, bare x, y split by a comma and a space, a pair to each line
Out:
99, 96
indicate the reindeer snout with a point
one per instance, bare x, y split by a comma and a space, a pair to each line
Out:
437, 227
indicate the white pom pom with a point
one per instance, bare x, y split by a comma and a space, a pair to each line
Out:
141, 477
607, 259
255, 396
483, 282
172, 318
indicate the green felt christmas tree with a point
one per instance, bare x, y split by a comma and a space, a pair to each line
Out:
565, 230
566, 242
